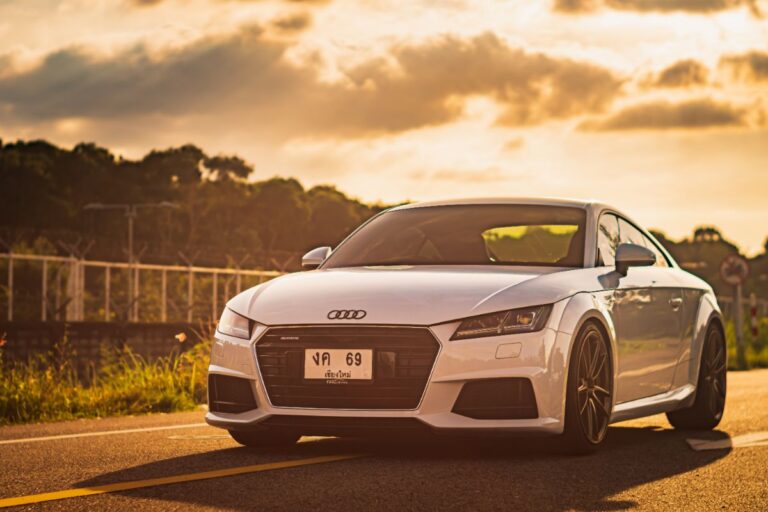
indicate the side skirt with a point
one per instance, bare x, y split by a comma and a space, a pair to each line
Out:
664, 402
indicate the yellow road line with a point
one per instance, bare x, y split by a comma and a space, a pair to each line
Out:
154, 482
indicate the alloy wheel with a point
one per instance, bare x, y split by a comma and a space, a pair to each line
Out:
594, 387
714, 369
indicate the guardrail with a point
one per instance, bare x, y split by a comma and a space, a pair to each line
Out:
69, 290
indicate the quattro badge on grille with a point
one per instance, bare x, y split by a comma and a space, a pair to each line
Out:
347, 314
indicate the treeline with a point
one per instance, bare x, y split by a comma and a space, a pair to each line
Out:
220, 217
703, 252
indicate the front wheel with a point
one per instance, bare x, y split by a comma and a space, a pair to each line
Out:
709, 404
589, 393
264, 438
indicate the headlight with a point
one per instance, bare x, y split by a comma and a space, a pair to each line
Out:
514, 321
235, 325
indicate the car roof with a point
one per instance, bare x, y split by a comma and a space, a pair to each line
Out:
535, 201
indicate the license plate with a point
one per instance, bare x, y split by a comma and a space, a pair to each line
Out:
338, 364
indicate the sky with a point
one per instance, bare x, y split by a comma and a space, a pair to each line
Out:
659, 107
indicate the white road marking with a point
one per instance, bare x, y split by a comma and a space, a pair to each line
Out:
188, 437
742, 441
103, 433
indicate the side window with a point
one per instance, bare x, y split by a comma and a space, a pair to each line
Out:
661, 261
631, 235
607, 240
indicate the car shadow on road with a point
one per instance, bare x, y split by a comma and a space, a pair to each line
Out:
438, 474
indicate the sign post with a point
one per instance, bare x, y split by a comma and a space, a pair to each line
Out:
753, 315
734, 270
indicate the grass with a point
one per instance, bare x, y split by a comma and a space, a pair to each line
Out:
756, 346
48, 387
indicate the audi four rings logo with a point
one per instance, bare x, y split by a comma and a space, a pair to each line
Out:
347, 314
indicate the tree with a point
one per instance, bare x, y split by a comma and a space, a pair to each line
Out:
279, 213
333, 216
707, 234
43, 189
223, 168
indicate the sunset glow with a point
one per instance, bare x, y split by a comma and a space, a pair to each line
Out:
658, 107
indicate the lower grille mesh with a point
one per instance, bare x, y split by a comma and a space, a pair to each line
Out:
498, 399
402, 361
229, 394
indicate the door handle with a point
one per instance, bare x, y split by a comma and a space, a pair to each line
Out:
676, 303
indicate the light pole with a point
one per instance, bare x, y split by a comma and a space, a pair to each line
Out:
130, 210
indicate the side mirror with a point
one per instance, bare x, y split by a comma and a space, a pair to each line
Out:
633, 255
315, 257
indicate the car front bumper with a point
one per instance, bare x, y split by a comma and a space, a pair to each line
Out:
540, 357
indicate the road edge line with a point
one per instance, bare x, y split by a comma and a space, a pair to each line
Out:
168, 480
20, 440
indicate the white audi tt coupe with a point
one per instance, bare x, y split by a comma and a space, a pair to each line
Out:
509, 316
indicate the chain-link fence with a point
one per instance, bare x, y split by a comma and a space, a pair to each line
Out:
55, 288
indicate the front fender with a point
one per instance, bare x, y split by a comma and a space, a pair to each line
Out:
580, 309
708, 314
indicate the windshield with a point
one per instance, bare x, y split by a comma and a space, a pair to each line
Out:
467, 235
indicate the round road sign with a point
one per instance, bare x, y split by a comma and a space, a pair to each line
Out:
734, 269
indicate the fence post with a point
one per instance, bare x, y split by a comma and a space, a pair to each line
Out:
57, 301
81, 291
214, 299
190, 294
137, 293
71, 291
753, 314
10, 286
107, 290
44, 294
738, 324
164, 294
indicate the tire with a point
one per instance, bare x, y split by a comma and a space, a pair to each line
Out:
709, 404
264, 438
589, 393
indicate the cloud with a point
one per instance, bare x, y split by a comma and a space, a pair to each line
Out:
661, 115
149, 3
490, 175
5, 64
683, 73
293, 22
749, 67
690, 6
244, 80
514, 144
145, 3
430, 80
208, 75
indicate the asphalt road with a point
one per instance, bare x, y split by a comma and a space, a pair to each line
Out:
645, 465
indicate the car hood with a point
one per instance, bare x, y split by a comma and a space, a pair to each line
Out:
400, 295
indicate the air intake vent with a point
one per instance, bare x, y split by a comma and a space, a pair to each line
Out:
497, 399
230, 394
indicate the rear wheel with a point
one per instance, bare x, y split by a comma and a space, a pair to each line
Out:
264, 438
589, 394
707, 409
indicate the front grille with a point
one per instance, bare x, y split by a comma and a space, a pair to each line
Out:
497, 399
229, 394
402, 361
